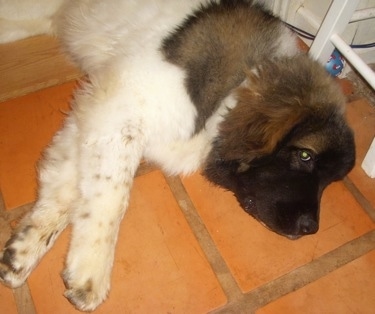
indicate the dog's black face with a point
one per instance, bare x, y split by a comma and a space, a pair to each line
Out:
283, 193
283, 190
277, 161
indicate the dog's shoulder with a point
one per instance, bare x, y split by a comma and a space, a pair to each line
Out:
216, 43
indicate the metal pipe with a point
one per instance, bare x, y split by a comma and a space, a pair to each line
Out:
354, 59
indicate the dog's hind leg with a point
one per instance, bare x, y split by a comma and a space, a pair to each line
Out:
111, 146
39, 229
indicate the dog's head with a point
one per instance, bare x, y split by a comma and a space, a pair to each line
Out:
283, 143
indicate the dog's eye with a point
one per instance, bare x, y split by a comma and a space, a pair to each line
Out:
304, 155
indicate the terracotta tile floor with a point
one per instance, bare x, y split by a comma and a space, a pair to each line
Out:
186, 246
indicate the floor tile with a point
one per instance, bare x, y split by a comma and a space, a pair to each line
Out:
7, 302
159, 266
255, 255
347, 290
27, 125
361, 116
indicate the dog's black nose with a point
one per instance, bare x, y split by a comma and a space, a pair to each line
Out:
307, 225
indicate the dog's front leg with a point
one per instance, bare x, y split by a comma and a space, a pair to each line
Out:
109, 158
38, 230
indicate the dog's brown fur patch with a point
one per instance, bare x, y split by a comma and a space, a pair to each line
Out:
278, 96
215, 58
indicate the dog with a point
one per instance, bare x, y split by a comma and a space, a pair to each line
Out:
219, 86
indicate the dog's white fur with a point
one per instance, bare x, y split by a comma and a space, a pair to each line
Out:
135, 105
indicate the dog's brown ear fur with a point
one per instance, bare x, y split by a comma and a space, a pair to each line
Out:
275, 98
254, 128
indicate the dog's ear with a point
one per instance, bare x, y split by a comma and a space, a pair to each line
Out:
266, 112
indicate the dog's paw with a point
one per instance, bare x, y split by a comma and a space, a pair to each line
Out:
86, 295
12, 273
18, 257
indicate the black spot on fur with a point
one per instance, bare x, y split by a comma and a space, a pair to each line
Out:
27, 229
85, 215
50, 238
80, 295
8, 258
15, 237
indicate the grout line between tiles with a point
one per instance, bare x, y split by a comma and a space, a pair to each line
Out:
303, 275
227, 281
24, 301
145, 168
15, 214
360, 198
2, 203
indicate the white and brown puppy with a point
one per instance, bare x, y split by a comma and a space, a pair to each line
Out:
218, 85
